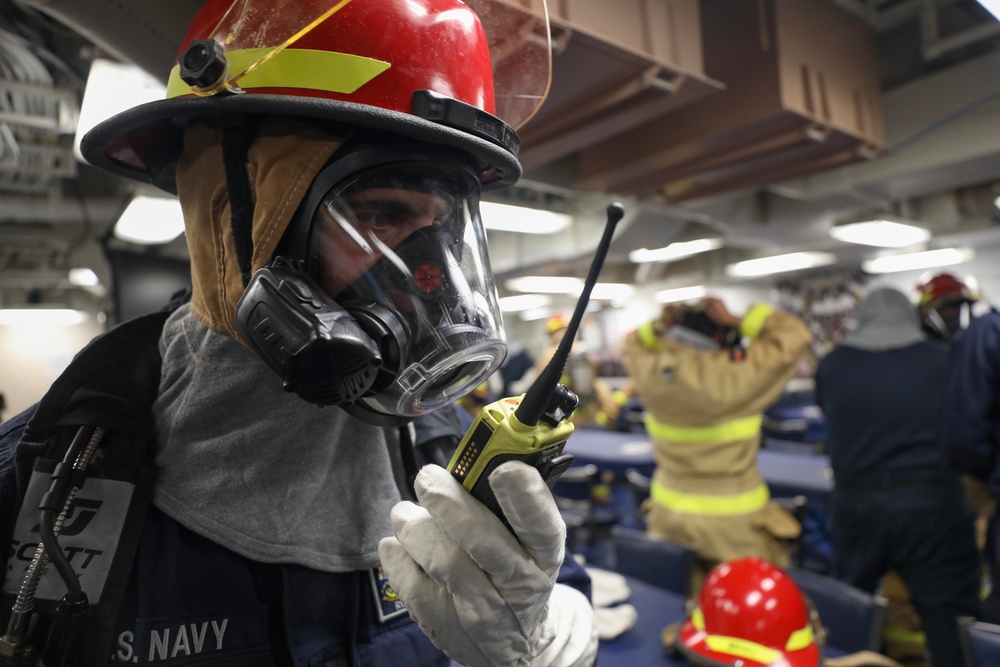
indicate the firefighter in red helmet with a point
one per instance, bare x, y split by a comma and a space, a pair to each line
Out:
328, 157
944, 305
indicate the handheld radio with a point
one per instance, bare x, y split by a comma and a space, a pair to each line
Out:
534, 427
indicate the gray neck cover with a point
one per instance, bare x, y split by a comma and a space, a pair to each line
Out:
886, 321
259, 470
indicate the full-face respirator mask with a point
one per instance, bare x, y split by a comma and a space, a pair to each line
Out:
380, 298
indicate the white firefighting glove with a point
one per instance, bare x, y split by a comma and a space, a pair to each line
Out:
483, 597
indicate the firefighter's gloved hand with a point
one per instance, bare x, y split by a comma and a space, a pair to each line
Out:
483, 597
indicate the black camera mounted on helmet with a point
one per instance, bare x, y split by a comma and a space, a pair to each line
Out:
696, 319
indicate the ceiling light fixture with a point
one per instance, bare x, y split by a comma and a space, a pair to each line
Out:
40, 316
111, 88
83, 277
507, 218
535, 314
521, 302
794, 261
150, 220
545, 284
915, 261
880, 233
674, 251
992, 6
568, 285
610, 292
680, 294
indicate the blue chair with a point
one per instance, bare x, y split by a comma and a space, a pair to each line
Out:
980, 642
635, 485
853, 618
653, 560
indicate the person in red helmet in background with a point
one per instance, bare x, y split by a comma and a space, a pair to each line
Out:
184, 498
944, 304
972, 437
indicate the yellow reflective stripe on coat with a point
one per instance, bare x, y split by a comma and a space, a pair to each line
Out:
734, 430
710, 504
647, 336
294, 68
753, 321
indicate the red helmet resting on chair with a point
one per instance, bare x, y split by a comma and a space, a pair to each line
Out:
751, 613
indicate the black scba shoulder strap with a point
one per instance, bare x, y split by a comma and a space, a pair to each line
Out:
85, 466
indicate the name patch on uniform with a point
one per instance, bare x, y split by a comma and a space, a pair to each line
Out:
387, 603
240, 636
88, 537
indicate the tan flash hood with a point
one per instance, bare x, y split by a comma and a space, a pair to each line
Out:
282, 162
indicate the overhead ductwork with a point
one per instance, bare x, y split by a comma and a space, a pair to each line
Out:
145, 33
38, 116
802, 95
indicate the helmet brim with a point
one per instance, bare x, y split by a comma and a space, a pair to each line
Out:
144, 143
691, 644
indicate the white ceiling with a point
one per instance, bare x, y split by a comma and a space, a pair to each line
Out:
940, 94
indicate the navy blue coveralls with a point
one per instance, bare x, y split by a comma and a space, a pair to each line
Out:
972, 426
189, 601
896, 505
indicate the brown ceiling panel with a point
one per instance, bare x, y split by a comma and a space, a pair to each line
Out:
798, 159
801, 88
615, 66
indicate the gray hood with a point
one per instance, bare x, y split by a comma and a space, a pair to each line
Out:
261, 471
886, 321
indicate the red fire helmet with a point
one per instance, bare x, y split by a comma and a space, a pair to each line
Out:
419, 68
944, 288
750, 612
555, 323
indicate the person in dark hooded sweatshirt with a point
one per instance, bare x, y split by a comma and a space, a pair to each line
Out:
896, 506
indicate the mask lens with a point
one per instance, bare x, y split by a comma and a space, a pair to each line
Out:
408, 238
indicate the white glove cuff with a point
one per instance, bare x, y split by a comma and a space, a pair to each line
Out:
569, 632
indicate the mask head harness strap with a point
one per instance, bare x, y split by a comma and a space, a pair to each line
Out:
362, 150
237, 136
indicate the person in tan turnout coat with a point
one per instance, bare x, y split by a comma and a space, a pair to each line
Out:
704, 397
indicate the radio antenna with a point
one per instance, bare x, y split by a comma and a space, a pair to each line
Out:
536, 399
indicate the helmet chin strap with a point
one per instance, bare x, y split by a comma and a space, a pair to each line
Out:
237, 137
936, 322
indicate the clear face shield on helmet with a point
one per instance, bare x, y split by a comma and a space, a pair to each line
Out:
402, 247
252, 36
